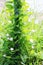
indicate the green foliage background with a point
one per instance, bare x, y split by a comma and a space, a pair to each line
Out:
21, 38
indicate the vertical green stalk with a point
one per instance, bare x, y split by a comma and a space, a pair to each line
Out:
19, 40
17, 8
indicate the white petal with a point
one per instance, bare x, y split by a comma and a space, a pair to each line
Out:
11, 39
11, 49
4, 55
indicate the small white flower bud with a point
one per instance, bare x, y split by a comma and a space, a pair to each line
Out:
7, 34
11, 49
4, 55
11, 39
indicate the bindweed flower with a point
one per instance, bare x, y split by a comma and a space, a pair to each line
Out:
11, 49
